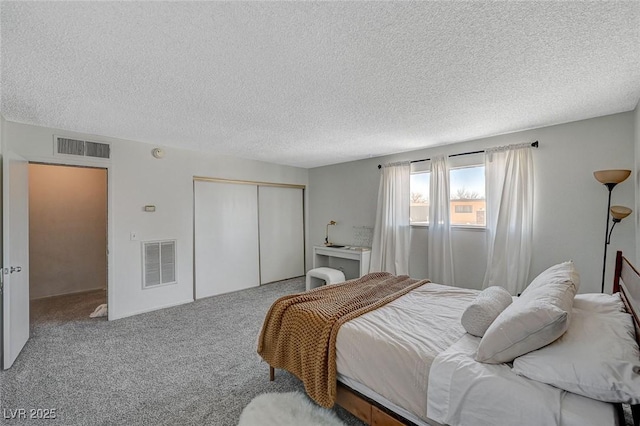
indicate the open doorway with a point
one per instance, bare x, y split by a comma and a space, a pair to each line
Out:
67, 241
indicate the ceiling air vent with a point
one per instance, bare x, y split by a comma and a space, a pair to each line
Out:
76, 147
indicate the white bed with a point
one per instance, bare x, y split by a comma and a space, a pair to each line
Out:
390, 350
465, 392
411, 361
414, 347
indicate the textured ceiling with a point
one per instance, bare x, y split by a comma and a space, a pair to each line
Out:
315, 83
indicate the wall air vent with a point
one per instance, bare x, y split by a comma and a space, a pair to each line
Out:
76, 147
158, 263
70, 146
95, 149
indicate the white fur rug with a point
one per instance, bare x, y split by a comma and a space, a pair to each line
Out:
286, 409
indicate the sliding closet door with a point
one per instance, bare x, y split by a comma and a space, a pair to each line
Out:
226, 237
281, 233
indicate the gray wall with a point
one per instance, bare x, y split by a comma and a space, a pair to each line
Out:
569, 211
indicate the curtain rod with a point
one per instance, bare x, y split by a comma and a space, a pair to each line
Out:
533, 144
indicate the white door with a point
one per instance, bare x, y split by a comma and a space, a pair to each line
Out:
226, 237
15, 228
281, 233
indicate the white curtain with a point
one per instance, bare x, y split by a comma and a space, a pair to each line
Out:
390, 251
440, 258
509, 191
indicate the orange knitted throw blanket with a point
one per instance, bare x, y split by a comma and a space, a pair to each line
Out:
300, 330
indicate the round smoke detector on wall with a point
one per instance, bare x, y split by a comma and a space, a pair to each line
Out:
158, 152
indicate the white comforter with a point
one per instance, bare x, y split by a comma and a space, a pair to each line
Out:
395, 353
465, 392
390, 350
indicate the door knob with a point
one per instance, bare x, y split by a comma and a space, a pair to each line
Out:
15, 269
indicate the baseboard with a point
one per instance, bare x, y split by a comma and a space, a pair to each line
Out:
144, 311
70, 293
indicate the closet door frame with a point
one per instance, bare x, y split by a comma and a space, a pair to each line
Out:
258, 184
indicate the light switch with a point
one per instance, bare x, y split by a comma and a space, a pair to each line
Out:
134, 236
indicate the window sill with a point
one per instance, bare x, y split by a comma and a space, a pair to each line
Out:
453, 227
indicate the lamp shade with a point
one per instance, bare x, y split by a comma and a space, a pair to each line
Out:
620, 212
611, 176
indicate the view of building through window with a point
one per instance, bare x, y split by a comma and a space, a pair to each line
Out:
468, 204
419, 210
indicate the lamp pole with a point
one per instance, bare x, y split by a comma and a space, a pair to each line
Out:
610, 178
610, 187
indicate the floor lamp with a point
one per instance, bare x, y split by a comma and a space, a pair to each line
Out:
610, 178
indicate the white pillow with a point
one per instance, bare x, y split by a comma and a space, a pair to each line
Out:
599, 302
538, 317
597, 357
561, 272
486, 307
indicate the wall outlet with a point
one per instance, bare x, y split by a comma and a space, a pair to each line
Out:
133, 236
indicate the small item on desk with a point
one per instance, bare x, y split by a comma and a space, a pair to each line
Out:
326, 239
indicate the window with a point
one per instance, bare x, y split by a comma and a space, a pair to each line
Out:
419, 208
468, 204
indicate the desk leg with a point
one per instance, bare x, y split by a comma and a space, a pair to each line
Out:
272, 374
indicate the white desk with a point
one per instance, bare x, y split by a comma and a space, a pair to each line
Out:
353, 262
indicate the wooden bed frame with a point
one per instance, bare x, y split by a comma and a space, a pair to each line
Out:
626, 281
